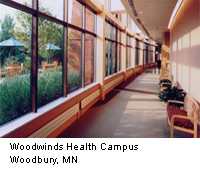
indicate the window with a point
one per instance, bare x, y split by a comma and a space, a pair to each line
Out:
74, 60
114, 61
26, 85
15, 62
75, 13
137, 52
89, 58
24, 2
90, 23
118, 57
146, 52
129, 55
52, 8
107, 58
49, 61
113, 56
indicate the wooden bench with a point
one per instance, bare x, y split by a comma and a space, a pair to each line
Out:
185, 118
50, 67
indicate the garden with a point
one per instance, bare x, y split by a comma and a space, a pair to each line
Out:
15, 64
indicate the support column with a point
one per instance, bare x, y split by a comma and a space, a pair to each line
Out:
123, 51
100, 54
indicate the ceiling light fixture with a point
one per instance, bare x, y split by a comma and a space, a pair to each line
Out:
174, 12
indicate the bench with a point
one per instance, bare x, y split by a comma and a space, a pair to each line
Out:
185, 118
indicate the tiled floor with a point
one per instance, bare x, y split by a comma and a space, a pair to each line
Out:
131, 110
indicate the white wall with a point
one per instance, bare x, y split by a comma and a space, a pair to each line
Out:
185, 47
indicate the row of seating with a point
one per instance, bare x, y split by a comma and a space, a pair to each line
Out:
184, 118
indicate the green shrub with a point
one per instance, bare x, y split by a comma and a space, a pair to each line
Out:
15, 98
172, 94
49, 86
73, 79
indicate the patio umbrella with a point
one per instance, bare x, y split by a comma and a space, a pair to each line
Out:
51, 46
11, 43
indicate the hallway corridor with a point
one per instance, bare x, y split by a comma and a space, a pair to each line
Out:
131, 110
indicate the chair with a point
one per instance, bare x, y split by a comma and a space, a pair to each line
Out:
12, 71
21, 68
56, 63
43, 65
183, 119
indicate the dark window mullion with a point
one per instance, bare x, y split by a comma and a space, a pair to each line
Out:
116, 61
108, 58
34, 58
65, 49
95, 49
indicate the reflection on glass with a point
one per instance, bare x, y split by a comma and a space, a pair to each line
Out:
74, 60
114, 34
50, 61
89, 23
107, 30
114, 58
129, 55
137, 57
118, 57
15, 60
75, 13
107, 54
52, 8
119, 36
24, 2
110, 58
89, 59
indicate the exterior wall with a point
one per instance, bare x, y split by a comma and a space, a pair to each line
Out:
185, 47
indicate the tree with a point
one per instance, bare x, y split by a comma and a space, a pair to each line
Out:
6, 28
48, 32
7, 25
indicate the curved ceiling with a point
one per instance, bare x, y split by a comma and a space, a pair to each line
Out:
151, 16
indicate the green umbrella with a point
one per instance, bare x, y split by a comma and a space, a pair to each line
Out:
11, 43
51, 46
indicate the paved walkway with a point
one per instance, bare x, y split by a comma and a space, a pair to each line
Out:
132, 110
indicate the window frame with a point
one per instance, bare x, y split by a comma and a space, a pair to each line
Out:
36, 14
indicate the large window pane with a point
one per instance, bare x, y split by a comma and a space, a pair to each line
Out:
114, 34
107, 58
127, 58
75, 13
24, 2
118, 36
118, 57
50, 40
110, 58
130, 57
89, 23
52, 8
89, 59
74, 60
107, 30
114, 62
15, 61
137, 57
